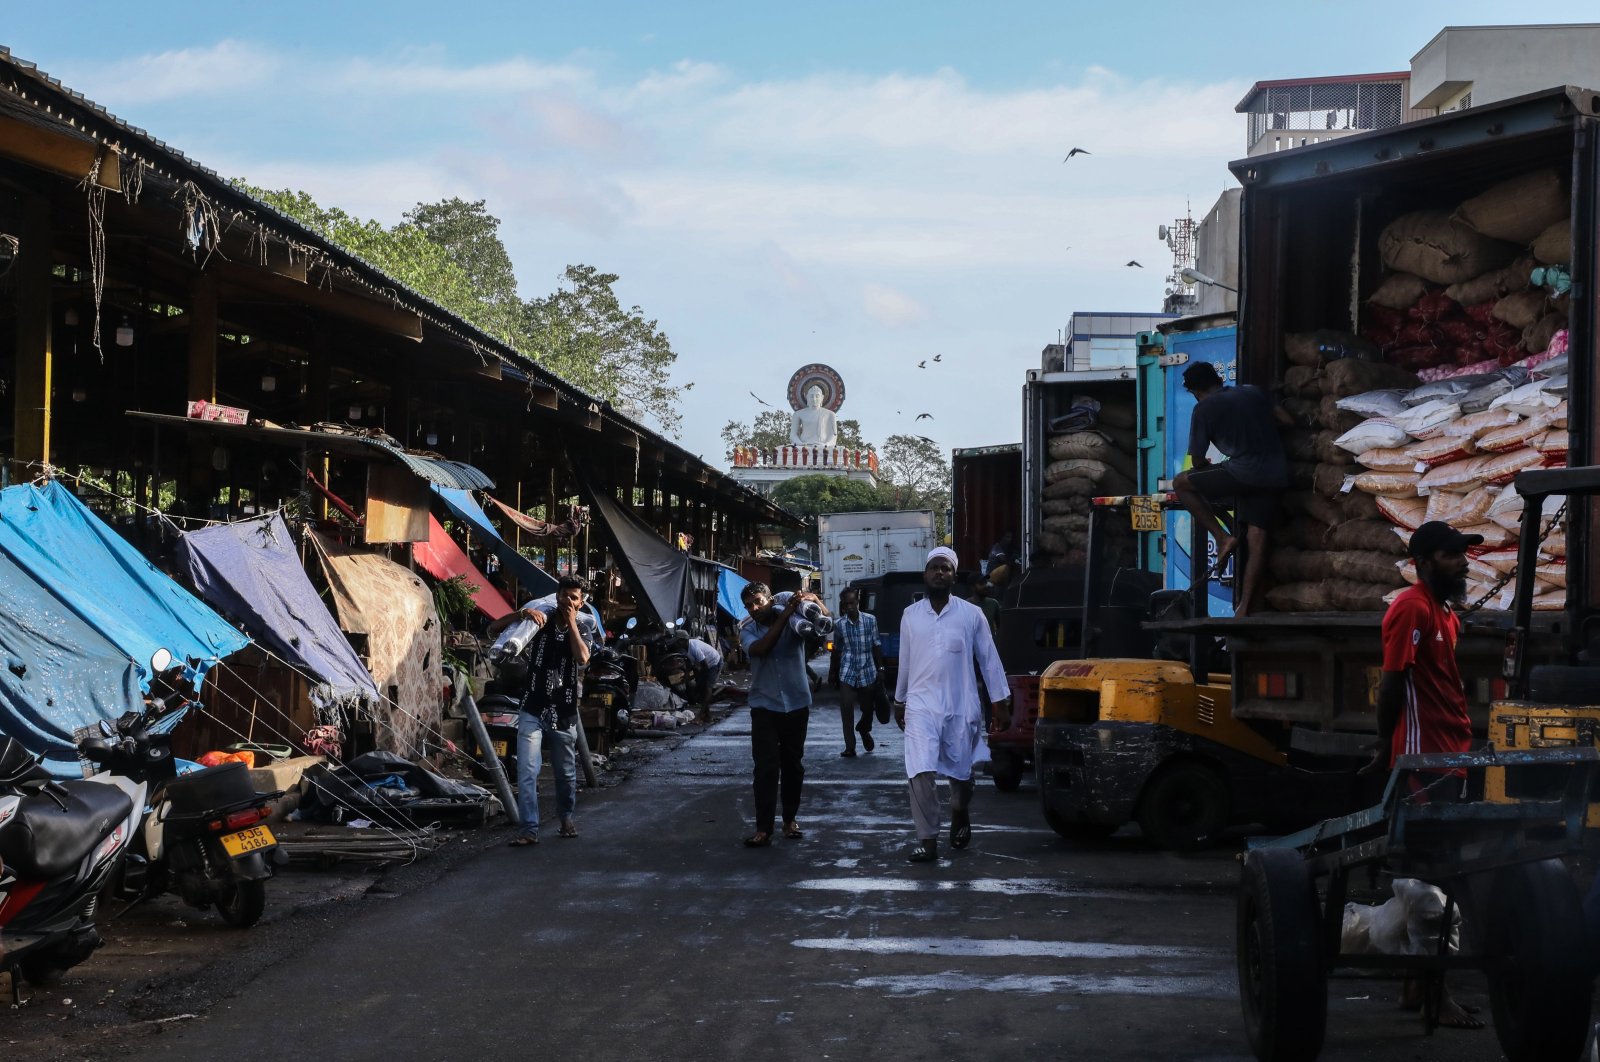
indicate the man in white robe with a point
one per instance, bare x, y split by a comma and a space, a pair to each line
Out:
936, 701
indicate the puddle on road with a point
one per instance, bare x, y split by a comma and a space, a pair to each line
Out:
1218, 987
988, 886
967, 947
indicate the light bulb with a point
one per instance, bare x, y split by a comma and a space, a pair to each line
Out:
355, 412
269, 382
125, 334
432, 439
79, 394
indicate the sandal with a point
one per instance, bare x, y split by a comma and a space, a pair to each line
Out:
960, 828
924, 851
567, 830
759, 839
792, 831
526, 841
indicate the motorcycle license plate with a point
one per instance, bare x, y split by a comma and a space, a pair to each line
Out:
600, 698
500, 748
246, 841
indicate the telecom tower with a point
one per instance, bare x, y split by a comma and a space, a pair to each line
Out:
1179, 237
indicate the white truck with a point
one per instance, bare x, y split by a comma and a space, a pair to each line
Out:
860, 545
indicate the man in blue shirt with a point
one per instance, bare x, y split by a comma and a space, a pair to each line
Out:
856, 669
780, 706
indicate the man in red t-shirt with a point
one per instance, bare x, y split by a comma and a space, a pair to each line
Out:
1422, 706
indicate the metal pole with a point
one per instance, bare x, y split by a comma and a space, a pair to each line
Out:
491, 762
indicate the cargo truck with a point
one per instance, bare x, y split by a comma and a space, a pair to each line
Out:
1305, 682
863, 545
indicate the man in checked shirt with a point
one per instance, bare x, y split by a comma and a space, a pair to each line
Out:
856, 670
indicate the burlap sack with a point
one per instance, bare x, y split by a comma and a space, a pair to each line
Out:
1399, 291
1520, 310
1331, 418
1117, 417
1536, 337
1303, 411
1073, 525
1063, 506
1302, 532
1301, 381
1093, 445
1051, 542
1287, 564
1493, 284
1350, 376
1358, 505
1328, 480
1350, 595
1299, 445
1068, 488
1519, 209
1365, 536
1326, 449
1299, 597
1553, 246
1438, 248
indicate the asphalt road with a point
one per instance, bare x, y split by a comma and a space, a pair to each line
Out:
656, 935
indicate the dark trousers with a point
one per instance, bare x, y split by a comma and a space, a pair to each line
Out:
778, 743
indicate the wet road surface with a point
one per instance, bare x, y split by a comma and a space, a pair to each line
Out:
656, 935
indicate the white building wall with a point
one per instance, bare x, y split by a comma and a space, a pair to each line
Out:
1498, 62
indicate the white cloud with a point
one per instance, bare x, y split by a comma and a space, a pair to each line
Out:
890, 307
227, 67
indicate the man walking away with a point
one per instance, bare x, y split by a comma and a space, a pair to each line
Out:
856, 670
1422, 704
936, 701
780, 705
1243, 423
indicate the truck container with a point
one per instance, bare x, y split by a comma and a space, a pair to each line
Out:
986, 499
862, 545
1312, 222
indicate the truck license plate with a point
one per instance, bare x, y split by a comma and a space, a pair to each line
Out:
500, 748
1145, 511
251, 840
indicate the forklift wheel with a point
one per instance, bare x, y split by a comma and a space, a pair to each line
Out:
1539, 989
1282, 981
1184, 807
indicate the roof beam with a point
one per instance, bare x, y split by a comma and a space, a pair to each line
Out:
60, 152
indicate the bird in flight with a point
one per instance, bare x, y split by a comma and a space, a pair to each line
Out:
1076, 151
938, 357
924, 416
758, 398
922, 364
927, 440
1131, 262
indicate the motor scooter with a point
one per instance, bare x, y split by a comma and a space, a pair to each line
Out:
59, 843
204, 835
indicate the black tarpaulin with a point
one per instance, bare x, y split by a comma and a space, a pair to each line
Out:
659, 573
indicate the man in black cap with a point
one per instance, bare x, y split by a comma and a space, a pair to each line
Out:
1242, 423
1422, 704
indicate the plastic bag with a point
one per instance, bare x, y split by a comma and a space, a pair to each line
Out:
1502, 468
1441, 451
1462, 475
1428, 419
1529, 400
1409, 513
1513, 436
1387, 459
1373, 434
1388, 484
1383, 403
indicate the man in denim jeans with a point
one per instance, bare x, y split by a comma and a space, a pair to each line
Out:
780, 705
549, 714
856, 669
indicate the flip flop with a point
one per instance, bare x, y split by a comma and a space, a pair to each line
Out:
924, 852
792, 831
758, 840
960, 828
524, 842
569, 830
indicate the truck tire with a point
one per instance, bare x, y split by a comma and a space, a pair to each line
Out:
1184, 806
1006, 770
1283, 984
1077, 829
1559, 684
1539, 991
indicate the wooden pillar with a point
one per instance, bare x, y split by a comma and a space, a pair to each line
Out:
203, 338
35, 354
550, 549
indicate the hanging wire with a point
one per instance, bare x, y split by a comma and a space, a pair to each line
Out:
95, 196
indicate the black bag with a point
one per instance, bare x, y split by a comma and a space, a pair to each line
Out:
880, 701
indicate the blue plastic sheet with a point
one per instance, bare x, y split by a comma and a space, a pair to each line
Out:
534, 579
57, 673
108, 583
730, 584
250, 571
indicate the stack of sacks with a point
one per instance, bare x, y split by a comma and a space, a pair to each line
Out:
1447, 450
1336, 552
1489, 568
1093, 461
1460, 297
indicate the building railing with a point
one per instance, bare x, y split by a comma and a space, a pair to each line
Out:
817, 457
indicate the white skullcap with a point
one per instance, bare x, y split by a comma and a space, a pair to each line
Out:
942, 551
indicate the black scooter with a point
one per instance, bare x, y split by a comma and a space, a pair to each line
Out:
204, 836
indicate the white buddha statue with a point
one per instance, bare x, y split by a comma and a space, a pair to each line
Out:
813, 425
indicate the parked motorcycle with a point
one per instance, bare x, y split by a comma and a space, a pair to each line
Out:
59, 843
204, 835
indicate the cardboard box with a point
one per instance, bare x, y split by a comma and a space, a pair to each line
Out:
200, 409
284, 774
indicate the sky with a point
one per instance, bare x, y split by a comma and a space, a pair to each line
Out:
863, 185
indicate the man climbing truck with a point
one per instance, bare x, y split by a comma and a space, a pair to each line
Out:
1331, 233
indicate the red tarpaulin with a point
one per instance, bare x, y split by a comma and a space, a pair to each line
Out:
442, 558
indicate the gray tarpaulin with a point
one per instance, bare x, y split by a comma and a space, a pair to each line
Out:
57, 673
659, 573
250, 572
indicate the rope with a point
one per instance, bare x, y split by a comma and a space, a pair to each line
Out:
96, 198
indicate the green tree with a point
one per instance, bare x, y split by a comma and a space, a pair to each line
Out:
470, 235
811, 496
916, 471
582, 333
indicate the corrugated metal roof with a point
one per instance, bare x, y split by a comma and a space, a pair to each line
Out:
438, 470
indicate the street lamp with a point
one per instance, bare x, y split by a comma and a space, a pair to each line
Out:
1194, 276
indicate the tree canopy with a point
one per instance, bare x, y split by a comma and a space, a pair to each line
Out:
451, 252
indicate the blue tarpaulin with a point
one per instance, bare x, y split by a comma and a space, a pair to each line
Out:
250, 572
57, 673
108, 583
730, 584
534, 579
